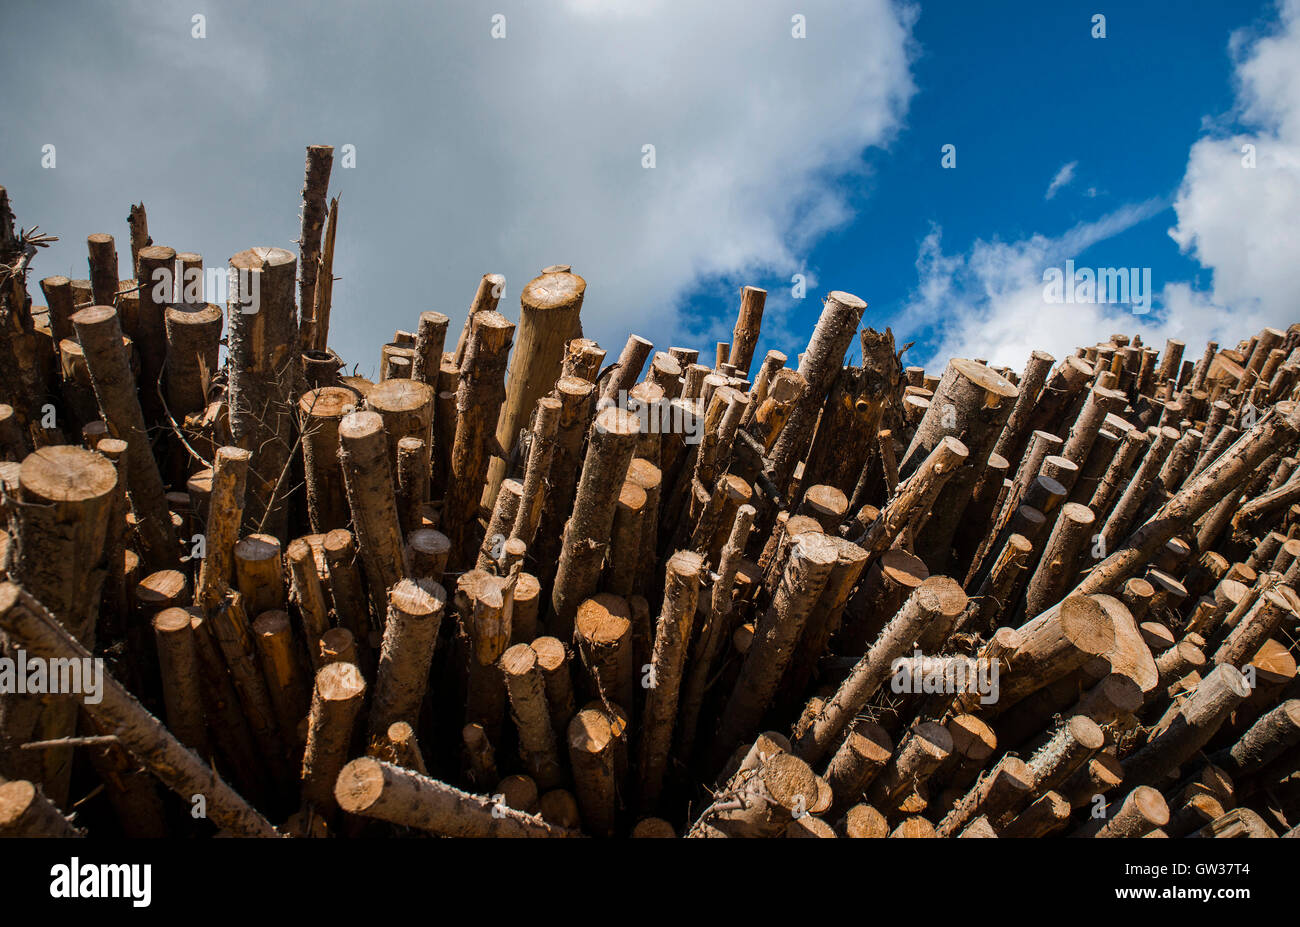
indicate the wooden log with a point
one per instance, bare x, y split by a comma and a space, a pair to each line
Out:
263, 369
1257, 625
998, 797
887, 584
259, 573
30, 625
155, 270
868, 674
309, 593
819, 366
410, 634
1015, 433
992, 600
1197, 496
363, 456
592, 745
1266, 740
625, 553
541, 453
713, 634
748, 321
586, 536
406, 407
225, 514
401, 748
1144, 809
1058, 567
482, 602
804, 577
337, 696
860, 758
553, 659
287, 684
627, 369
582, 359
65, 495
193, 346
347, 594
1053, 645
1069, 747
1189, 728
178, 659
549, 317
916, 495
1050, 812
25, 811
1099, 775
315, 187
602, 637
430, 339
825, 618
971, 403
478, 400
115, 390
61, 303
683, 574
375, 789
526, 686
761, 803
486, 297
920, 753
337, 645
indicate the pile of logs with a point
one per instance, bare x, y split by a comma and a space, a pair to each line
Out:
516, 586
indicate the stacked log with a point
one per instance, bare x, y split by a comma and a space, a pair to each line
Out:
504, 590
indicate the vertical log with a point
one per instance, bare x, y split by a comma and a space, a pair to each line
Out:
363, 455
115, 390
586, 536
336, 700
178, 656
683, 574
315, 186
748, 321
263, 364
410, 635
550, 307
478, 401
526, 687
819, 367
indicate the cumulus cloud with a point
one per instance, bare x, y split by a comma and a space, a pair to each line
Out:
1237, 220
1063, 177
1240, 194
473, 154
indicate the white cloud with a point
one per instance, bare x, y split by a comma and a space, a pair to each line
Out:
1237, 221
473, 154
989, 301
1063, 177
1240, 221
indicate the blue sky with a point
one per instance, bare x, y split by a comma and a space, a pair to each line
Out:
1023, 89
775, 155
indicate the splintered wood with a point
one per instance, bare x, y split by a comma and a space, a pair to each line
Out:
524, 585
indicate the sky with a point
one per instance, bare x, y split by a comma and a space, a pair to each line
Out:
797, 146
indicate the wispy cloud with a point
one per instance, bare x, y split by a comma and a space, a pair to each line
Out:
1063, 177
989, 301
